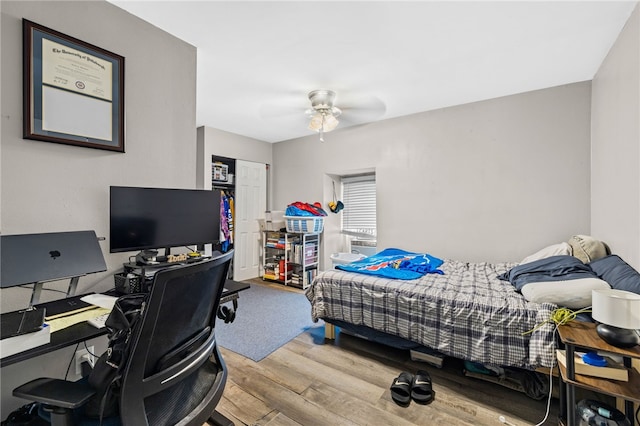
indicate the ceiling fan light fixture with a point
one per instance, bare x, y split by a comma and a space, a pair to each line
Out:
316, 122
322, 112
330, 122
323, 122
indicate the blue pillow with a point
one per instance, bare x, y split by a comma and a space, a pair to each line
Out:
553, 268
619, 274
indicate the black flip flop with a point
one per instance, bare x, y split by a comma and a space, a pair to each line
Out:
421, 389
401, 389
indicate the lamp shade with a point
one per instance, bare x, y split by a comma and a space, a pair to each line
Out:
324, 122
617, 308
316, 122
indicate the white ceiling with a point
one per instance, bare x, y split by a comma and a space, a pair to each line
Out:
258, 60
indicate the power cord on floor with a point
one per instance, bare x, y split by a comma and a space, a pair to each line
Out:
504, 420
546, 414
560, 316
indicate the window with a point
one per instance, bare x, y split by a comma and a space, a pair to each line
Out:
359, 198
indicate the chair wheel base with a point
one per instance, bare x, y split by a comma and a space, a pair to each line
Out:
218, 419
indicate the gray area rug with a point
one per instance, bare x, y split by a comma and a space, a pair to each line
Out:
266, 319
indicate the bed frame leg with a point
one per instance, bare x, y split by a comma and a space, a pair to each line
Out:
329, 331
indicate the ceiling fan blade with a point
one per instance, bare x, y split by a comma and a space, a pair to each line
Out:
290, 106
363, 109
284, 103
278, 110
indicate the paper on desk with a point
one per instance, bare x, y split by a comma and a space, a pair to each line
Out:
69, 320
66, 314
101, 300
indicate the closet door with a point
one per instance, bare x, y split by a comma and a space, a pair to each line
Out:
250, 205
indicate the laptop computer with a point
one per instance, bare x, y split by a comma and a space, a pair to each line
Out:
37, 258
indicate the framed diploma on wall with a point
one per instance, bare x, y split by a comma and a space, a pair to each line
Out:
73, 91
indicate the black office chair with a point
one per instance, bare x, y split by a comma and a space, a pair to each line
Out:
174, 374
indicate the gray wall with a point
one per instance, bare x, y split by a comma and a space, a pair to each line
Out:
50, 187
615, 124
487, 181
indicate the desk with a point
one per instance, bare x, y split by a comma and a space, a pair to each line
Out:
81, 332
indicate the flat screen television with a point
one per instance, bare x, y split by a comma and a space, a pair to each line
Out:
159, 218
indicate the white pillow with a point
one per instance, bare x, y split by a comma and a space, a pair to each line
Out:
552, 250
573, 294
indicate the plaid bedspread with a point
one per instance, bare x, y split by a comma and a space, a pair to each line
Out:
466, 313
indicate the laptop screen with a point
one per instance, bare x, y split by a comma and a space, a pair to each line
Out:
31, 258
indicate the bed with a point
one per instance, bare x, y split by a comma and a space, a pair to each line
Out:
466, 312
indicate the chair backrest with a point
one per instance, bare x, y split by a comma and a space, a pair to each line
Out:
175, 374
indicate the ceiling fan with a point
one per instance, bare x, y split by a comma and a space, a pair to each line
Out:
324, 116
324, 109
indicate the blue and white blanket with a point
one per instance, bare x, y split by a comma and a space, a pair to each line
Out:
397, 264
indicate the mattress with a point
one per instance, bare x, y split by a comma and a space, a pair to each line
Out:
467, 313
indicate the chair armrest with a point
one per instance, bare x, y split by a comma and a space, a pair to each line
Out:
56, 392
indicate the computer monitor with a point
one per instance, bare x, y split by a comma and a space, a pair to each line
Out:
161, 218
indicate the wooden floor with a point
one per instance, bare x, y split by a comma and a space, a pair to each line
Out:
346, 382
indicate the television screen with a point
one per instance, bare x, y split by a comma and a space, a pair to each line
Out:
155, 218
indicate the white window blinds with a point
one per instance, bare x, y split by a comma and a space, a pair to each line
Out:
359, 198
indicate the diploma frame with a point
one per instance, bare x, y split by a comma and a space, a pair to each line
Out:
73, 92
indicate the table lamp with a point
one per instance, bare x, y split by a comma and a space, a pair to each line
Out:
618, 314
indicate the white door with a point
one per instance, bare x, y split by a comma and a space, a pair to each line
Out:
250, 205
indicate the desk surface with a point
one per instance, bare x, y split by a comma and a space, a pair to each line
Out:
80, 332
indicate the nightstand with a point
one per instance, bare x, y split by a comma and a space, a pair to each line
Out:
583, 335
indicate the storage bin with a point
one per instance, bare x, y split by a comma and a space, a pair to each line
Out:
219, 172
128, 283
305, 224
